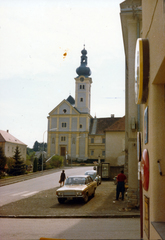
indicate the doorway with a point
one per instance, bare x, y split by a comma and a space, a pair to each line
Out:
62, 151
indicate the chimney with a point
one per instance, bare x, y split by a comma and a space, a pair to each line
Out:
112, 115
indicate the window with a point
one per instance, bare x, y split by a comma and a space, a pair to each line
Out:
53, 140
103, 140
80, 125
82, 86
92, 140
92, 152
64, 110
63, 139
103, 153
63, 125
81, 99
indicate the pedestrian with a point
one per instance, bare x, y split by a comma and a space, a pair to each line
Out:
62, 178
121, 179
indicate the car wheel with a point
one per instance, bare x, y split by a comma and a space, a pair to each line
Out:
86, 198
61, 200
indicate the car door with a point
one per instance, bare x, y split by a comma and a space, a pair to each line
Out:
90, 186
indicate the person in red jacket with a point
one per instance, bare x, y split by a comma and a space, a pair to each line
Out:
121, 179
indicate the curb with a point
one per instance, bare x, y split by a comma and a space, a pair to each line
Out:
73, 216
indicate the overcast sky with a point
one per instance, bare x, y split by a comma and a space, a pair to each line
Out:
34, 74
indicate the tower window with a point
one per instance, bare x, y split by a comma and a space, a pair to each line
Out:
53, 140
82, 86
63, 125
81, 99
80, 125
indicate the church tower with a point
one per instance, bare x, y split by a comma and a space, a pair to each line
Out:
83, 85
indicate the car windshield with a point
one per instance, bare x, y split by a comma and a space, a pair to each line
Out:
91, 174
75, 181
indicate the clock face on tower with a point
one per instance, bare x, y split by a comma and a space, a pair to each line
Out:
141, 70
81, 79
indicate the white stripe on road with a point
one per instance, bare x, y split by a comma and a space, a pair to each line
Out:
30, 193
15, 194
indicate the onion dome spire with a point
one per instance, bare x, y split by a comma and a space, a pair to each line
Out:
83, 70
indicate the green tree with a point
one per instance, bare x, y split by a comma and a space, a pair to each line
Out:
3, 161
36, 146
40, 163
35, 165
19, 167
55, 162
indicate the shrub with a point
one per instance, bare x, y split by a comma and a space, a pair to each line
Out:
55, 162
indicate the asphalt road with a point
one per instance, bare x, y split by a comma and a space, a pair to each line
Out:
98, 228
24, 189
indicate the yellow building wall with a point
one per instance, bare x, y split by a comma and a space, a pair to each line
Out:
115, 148
154, 30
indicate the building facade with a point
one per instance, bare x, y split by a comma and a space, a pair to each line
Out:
149, 95
9, 143
72, 131
153, 119
131, 21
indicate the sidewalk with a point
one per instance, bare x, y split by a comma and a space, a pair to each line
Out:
45, 205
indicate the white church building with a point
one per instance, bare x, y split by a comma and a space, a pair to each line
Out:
74, 133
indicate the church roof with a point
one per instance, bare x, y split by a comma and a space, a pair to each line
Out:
100, 125
71, 100
5, 136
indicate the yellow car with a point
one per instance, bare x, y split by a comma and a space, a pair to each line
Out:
78, 186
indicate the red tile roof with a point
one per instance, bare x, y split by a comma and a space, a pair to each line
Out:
103, 124
117, 126
7, 137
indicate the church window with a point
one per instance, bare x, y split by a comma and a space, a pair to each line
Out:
64, 125
81, 99
53, 140
82, 86
92, 152
63, 139
92, 140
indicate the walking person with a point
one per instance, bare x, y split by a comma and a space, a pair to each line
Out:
62, 178
121, 178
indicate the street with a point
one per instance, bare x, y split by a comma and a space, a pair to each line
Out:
60, 227
98, 228
17, 191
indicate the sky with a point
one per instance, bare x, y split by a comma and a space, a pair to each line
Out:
40, 49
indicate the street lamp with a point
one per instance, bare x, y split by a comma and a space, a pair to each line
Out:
53, 129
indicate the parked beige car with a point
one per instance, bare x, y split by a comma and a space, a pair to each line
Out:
79, 186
